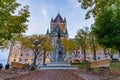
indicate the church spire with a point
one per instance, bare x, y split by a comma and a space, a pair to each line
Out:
52, 19
47, 33
58, 18
66, 32
64, 19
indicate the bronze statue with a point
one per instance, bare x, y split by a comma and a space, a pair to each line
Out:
59, 34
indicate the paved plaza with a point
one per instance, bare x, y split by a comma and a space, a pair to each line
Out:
46, 75
55, 75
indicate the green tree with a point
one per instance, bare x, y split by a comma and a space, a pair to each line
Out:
10, 22
94, 7
81, 37
107, 27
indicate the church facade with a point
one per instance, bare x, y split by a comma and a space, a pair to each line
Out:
58, 23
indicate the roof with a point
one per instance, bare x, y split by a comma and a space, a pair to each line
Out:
47, 33
62, 27
58, 18
55, 30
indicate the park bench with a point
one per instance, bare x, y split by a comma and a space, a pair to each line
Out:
103, 66
16, 65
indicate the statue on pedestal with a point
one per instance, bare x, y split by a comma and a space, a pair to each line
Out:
59, 53
59, 34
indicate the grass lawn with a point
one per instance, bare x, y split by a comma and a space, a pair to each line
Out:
115, 65
84, 65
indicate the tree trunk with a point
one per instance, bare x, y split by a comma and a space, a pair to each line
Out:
119, 52
111, 56
94, 49
94, 53
118, 47
105, 52
33, 67
35, 58
84, 55
76, 54
11, 45
44, 57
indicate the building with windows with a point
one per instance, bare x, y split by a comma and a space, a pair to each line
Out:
23, 55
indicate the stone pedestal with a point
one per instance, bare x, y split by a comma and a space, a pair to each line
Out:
59, 53
58, 66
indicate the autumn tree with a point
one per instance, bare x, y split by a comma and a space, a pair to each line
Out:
33, 43
10, 22
69, 45
66, 43
46, 47
38, 44
75, 47
81, 37
12, 42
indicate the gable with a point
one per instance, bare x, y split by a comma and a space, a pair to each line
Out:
54, 32
58, 18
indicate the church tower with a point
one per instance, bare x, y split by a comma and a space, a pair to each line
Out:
58, 23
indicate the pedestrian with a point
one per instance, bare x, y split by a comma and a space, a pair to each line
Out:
7, 66
1, 66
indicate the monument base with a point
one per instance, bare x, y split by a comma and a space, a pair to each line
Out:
58, 66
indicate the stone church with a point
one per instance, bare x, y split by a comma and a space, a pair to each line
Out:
58, 23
